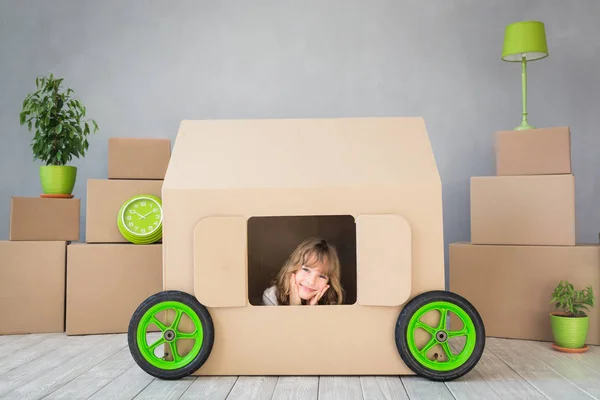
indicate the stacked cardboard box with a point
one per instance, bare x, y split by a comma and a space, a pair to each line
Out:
33, 262
523, 237
107, 276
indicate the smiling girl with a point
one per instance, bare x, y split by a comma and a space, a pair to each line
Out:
310, 276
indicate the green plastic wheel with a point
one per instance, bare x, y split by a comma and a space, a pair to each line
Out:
150, 316
437, 359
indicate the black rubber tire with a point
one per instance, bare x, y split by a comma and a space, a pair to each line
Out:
401, 335
207, 326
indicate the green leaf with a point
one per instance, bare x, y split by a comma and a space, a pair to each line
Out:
55, 121
572, 301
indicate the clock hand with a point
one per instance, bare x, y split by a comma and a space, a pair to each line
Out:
138, 214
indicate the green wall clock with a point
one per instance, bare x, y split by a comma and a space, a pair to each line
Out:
140, 219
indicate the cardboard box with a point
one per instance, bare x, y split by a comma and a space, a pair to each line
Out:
104, 200
41, 219
525, 210
539, 151
379, 171
138, 158
107, 282
511, 286
32, 286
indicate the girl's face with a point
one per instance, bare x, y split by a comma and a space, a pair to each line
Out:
310, 280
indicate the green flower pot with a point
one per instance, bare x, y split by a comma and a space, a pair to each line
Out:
569, 332
57, 179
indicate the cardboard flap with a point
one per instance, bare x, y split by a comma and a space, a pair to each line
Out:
383, 244
220, 264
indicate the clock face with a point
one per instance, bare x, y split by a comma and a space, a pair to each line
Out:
142, 216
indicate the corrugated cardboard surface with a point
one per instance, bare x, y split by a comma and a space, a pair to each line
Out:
526, 210
36, 218
302, 153
511, 286
104, 199
138, 158
107, 282
384, 259
533, 152
32, 286
358, 167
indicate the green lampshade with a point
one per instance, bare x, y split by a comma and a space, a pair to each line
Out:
525, 39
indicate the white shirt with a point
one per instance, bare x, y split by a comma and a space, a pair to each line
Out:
269, 298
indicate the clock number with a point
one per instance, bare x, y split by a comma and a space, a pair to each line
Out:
129, 218
131, 211
157, 216
155, 222
155, 210
130, 224
143, 204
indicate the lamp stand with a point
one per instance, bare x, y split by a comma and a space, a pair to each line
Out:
524, 123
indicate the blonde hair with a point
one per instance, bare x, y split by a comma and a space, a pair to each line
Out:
322, 251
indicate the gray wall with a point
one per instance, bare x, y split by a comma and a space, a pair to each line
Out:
140, 67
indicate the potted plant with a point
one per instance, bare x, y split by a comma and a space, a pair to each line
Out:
570, 326
61, 133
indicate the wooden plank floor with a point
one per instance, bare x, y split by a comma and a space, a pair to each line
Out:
56, 366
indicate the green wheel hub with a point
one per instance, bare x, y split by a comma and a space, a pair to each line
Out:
169, 335
440, 336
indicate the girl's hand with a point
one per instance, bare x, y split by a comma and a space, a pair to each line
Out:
295, 299
318, 296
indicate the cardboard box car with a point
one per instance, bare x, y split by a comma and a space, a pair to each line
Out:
104, 200
378, 172
511, 286
32, 286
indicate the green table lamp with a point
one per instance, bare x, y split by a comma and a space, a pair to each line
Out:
524, 41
